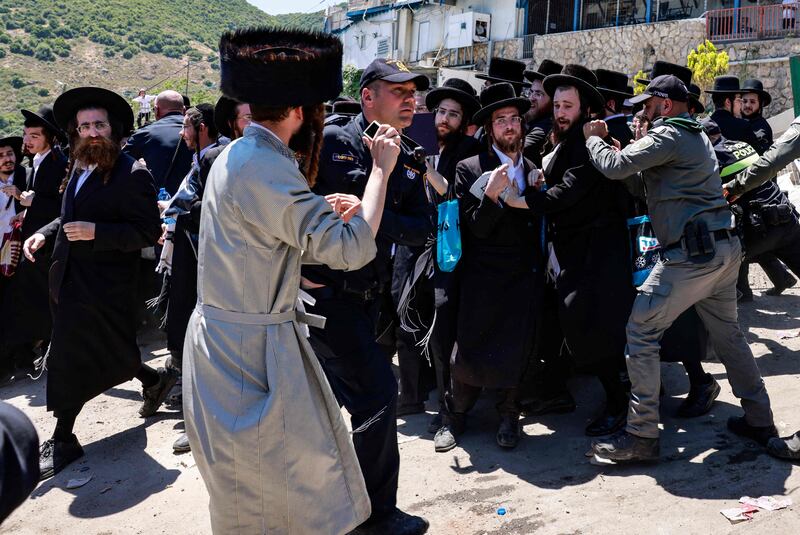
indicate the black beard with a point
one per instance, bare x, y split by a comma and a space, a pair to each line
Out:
562, 133
448, 138
751, 115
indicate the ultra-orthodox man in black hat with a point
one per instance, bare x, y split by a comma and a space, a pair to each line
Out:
587, 253
262, 422
25, 332
108, 215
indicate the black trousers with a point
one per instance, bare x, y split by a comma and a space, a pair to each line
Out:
782, 241
362, 380
443, 338
417, 376
462, 397
773, 268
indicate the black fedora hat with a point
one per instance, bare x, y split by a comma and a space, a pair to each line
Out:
660, 68
15, 142
753, 85
224, 113
694, 98
346, 107
68, 103
725, 85
44, 117
506, 70
545, 69
583, 79
612, 84
498, 96
280, 67
459, 90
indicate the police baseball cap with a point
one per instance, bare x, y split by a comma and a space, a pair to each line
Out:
665, 86
390, 70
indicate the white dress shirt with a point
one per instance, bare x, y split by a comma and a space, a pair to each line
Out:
84, 176
37, 161
515, 172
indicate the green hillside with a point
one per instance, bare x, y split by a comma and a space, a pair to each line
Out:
47, 46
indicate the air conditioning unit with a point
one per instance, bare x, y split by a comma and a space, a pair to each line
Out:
468, 28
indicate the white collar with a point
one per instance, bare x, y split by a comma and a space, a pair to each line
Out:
38, 157
504, 158
197, 157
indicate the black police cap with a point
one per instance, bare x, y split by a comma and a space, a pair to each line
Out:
665, 86
394, 71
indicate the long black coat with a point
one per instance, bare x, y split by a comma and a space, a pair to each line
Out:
26, 304
498, 275
586, 215
183, 282
536, 138
158, 143
93, 283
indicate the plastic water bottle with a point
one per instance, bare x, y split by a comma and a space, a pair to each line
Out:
163, 195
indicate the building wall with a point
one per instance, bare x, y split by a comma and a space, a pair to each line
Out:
627, 49
408, 46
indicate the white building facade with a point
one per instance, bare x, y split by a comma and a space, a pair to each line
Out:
415, 31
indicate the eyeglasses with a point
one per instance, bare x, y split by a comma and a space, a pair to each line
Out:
98, 125
528, 93
508, 121
450, 114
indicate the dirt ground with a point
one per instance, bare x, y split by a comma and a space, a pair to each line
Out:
546, 485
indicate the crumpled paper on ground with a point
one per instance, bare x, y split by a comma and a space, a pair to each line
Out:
750, 506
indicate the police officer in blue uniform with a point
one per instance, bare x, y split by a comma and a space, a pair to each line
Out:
358, 370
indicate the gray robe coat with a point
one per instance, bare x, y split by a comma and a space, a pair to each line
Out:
263, 424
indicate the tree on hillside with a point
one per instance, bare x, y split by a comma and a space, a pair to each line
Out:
706, 63
351, 76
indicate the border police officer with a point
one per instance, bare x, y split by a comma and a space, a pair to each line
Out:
699, 267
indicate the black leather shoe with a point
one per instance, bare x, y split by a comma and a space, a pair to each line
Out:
154, 396
395, 523
559, 404
785, 448
739, 426
779, 289
625, 447
182, 444
700, 399
508, 432
607, 423
55, 455
435, 424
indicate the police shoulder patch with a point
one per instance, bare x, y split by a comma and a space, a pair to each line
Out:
643, 143
660, 129
791, 134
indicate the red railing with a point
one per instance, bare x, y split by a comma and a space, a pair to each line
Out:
750, 23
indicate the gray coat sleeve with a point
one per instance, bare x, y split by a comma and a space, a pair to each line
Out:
652, 150
280, 203
783, 152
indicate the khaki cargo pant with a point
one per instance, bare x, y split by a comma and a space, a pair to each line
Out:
674, 285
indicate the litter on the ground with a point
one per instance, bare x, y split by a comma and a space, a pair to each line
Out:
768, 503
740, 514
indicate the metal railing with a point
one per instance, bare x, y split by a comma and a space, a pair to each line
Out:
750, 23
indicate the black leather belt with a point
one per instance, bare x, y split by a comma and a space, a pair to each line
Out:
719, 235
328, 292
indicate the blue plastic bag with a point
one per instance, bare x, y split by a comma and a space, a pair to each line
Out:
448, 238
645, 249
